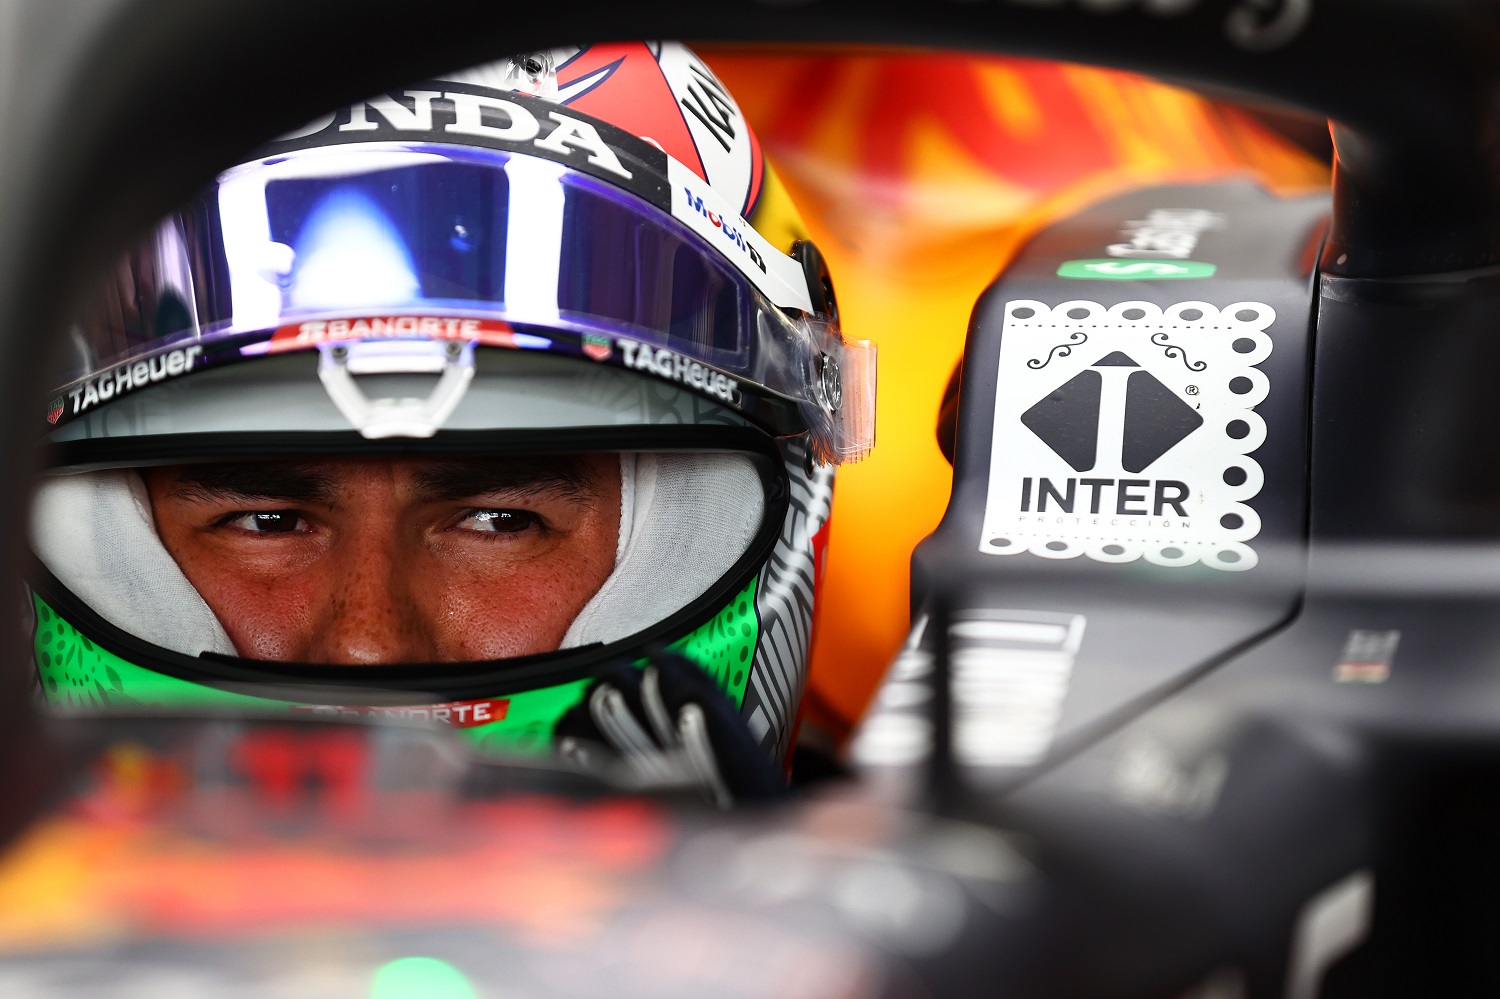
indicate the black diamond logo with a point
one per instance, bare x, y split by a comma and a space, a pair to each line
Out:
1067, 421
1155, 419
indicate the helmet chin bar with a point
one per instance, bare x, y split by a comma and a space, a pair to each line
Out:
379, 418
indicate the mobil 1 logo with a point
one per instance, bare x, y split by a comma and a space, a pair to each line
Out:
1126, 433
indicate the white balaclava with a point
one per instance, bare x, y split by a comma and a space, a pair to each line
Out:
684, 520
95, 532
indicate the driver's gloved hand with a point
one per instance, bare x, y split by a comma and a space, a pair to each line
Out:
668, 726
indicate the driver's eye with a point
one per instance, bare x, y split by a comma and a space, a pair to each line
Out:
498, 521
268, 522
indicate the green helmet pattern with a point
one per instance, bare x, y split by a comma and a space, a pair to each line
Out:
77, 676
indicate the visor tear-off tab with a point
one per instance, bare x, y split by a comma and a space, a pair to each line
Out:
375, 419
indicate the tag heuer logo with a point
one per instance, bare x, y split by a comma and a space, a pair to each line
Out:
597, 347
55, 410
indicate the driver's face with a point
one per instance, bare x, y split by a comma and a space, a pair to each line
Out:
390, 560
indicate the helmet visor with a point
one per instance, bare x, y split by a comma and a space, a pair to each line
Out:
428, 240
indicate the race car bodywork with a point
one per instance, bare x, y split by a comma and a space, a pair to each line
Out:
1203, 700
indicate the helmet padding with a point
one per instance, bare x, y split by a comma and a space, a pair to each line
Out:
684, 521
95, 532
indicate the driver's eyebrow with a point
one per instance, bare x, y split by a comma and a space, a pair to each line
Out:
563, 476
287, 482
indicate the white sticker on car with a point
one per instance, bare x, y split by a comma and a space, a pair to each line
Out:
1126, 433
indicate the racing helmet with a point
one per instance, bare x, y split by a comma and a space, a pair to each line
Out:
569, 259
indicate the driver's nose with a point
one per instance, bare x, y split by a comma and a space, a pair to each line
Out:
370, 615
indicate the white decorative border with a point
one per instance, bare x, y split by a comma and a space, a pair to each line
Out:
1206, 356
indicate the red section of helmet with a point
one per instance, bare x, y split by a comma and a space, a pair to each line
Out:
625, 86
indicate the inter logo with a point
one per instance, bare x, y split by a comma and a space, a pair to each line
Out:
1113, 393
1125, 433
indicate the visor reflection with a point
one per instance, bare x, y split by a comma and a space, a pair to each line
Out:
350, 255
